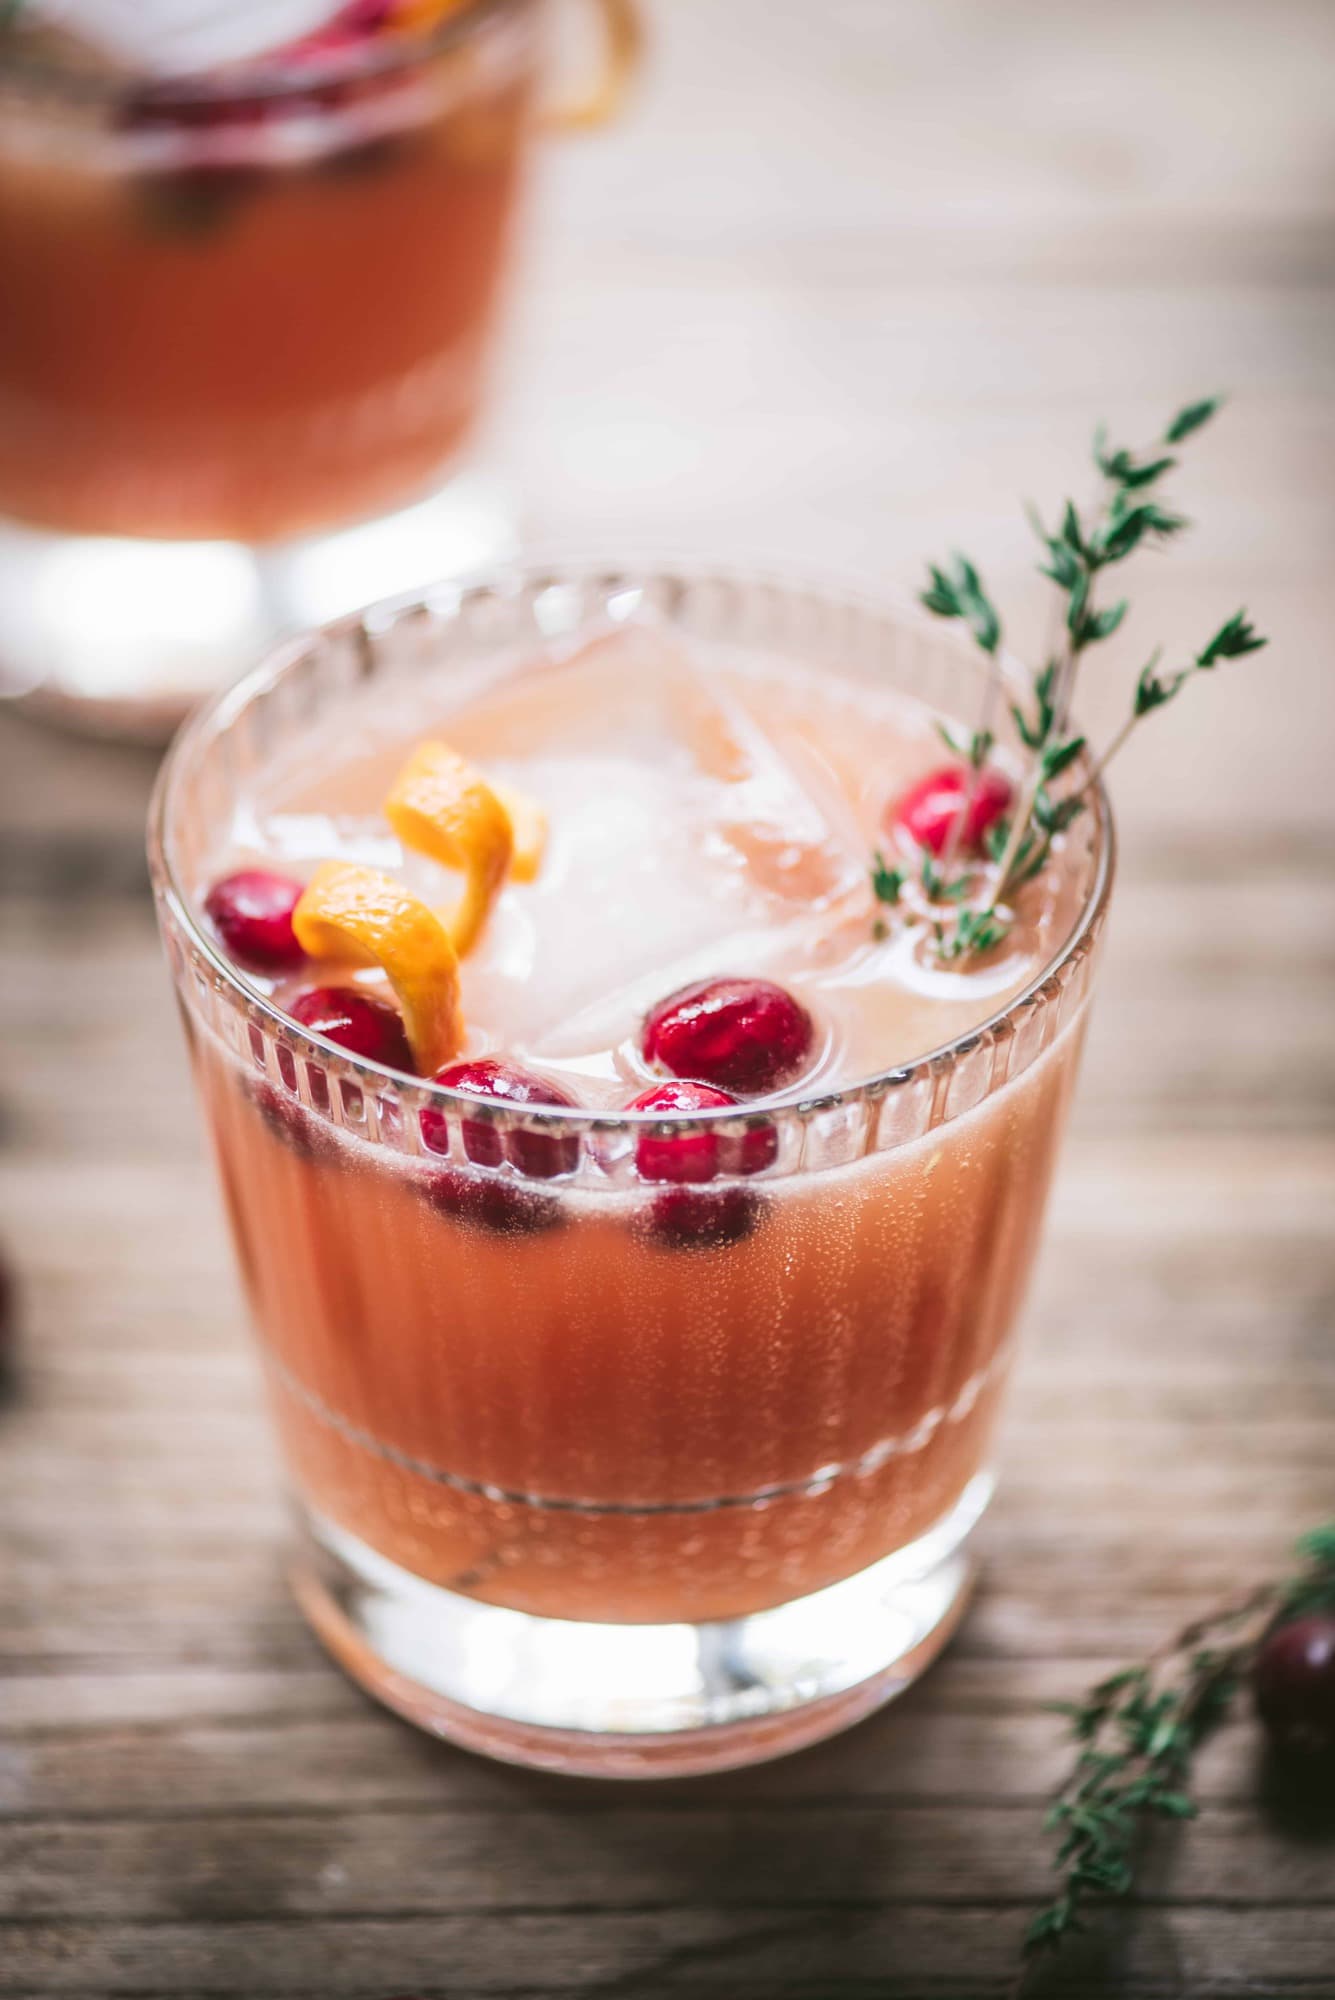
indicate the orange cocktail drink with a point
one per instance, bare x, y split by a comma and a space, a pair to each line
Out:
634, 1223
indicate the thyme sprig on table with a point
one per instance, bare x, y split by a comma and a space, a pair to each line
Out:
1138, 1731
1077, 554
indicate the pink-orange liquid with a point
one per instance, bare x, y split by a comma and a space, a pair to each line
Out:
203, 338
580, 1419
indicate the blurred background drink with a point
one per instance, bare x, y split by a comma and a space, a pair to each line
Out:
252, 262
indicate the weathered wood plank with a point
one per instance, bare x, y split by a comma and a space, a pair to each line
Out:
350, 1759
655, 1952
598, 1857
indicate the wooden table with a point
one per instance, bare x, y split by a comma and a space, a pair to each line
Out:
854, 278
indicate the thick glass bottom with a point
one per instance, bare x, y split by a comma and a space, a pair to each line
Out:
123, 636
637, 1701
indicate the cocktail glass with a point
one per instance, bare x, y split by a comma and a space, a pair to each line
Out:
564, 1494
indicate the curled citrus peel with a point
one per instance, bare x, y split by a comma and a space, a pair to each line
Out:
441, 807
528, 825
363, 917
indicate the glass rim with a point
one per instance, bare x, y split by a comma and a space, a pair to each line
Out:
261, 77
215, 716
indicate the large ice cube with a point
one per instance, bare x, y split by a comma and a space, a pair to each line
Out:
682, 844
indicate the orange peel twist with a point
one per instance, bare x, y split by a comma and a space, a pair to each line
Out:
363, 917
441, 807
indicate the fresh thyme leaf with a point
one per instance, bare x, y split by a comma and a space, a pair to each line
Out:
1150, 692
974, 931
959, 593
1191, 418
930, 874
1137, 1733
1231, 641
1121, 467
1031, 738
1071, 534
1102, 624
940, 595
1129, 524
1058, 756
887, 883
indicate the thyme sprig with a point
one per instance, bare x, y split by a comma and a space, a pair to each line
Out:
1077, 553
1137, 1734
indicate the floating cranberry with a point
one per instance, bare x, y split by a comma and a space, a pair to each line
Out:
684, 1156
696, 1218
539, 1154
744, 1035
698, 1156
252, 914
358, 1022
928, 811
487, 1202
1294, 1683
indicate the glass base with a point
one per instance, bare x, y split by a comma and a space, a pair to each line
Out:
122, 636
637, 1701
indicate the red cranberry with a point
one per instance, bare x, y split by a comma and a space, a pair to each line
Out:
927, 812
745, 1035
484, 1201
252, 914
695, 1218
698, 1156
686, 1156
539, 1154
358, 1022
1294, 1683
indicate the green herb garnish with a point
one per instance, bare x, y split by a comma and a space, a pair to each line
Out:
1138, 1731
1077, 553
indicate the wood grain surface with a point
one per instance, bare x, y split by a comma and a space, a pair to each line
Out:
850, 280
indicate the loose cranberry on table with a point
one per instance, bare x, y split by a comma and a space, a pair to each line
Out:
358, 1022
743, 1035
539, 1154
252, 914
1294, 1684
697, 1156
928, 811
